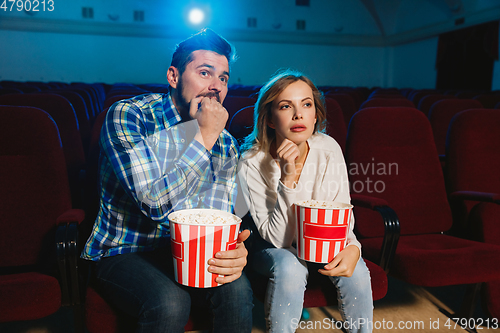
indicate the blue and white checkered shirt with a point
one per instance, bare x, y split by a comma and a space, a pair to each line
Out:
149, 166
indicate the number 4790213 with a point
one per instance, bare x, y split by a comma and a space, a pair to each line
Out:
27, 5
471, 323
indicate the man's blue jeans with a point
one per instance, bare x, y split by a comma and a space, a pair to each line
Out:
143, 286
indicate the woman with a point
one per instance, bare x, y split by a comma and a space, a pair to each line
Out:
287, 159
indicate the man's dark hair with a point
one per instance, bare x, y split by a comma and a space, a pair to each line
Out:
206, 39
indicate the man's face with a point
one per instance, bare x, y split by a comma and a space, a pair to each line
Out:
206, 75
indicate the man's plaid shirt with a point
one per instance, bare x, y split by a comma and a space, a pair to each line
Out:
150, 166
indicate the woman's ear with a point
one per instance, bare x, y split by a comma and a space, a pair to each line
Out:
270, 124
173, 76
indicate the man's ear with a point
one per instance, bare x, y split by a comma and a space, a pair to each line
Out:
173, 76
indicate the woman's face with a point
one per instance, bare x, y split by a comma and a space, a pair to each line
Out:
293, 113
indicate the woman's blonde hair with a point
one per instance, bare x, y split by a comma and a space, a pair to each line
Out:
262, 135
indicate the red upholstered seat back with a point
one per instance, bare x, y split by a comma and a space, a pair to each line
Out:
81, 112
426, 102
62, 112
346, 103
386, 95
417, 95
336, 127
391, 155
382, 101
488, 100
34, 184
473, 151
242, 123
235, 103
440, 116
88, 95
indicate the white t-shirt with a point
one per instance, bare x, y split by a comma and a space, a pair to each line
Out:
323, 177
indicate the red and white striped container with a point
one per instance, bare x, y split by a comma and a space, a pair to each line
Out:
193, 244
322, 229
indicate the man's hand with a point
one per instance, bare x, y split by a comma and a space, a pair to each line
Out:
212, 118
344, 263
230, 263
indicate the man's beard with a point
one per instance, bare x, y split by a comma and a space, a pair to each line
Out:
185, 105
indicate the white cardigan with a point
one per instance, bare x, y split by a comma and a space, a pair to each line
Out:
323, 177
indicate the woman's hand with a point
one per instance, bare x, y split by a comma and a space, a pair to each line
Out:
344, 263
287, 153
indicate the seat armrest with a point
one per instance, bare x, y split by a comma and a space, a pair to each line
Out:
391, 226
68, 252
476, 196
62, 264
73, 254
367, 202
70, 216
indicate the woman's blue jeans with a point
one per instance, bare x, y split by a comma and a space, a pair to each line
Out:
287, 283
143, 286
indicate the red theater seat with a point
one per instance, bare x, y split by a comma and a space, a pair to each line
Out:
473, 161
440, 115
61, 110
88, 99
335, 127
36, 211
346, 103
235, 103
488, 100
241, 123
417, 95
484, 218
415, 189
382, 101
81, 114
426, 102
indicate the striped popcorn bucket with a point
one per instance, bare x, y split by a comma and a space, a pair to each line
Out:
193, 244
322, 229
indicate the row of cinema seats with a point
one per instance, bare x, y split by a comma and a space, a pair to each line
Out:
46, 133
343, 103
382, 218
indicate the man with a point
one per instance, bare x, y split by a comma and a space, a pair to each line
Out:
160, 153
